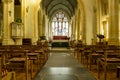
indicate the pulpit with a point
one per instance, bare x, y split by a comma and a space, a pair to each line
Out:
17, 32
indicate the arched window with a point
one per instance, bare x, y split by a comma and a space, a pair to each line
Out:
60, 25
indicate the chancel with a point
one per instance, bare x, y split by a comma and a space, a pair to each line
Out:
59, 39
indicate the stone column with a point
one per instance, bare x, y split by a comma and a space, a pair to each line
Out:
96, 29
71, 29
43, 25
113, 22
76, 27
40, 23
8, 17
24, 10
54, 27
35, 16
79, 27
50, 30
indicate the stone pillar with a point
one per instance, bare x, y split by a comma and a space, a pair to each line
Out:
96, 29
40, 23
35, 24
76, 27
113, 22
88, 21
8, 17
43, 24
79, 27
50, 30
69, 32
24, 10
73, 28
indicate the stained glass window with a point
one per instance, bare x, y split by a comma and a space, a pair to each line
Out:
60, 25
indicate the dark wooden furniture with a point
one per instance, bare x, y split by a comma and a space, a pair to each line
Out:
27, 41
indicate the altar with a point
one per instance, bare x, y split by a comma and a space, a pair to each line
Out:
60, 41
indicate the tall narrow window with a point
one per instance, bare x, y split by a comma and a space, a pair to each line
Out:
60, 25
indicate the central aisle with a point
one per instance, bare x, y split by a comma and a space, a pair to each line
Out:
63, 66
62, 59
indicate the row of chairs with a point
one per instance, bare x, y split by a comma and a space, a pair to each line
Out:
105, 57
16, 58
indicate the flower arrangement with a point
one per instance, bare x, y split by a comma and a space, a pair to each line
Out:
100, 36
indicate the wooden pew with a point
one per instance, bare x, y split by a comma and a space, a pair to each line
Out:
19, 60
0, 69
4, 73
13, 51
93, 56
111, 59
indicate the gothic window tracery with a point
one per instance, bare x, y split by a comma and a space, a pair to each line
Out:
60, 24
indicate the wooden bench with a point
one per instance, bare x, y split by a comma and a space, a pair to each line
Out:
110, 60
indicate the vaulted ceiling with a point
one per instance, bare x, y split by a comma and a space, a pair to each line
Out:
67, 6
